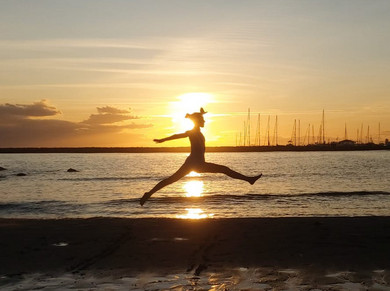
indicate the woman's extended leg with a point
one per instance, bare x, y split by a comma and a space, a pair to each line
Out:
215, 168
184, 170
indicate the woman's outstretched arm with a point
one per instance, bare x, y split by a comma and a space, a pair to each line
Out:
175, 136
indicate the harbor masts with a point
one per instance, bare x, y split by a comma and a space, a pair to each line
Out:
294, 133
258, 129
249, 126
357, 135
257, 136
268, 128
275, 136
319, 139
245, 132
276, 130
323, 126
307, 135
299, 132
312, 131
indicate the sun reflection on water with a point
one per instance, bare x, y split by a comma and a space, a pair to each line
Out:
193, 188
195, 213
193, 174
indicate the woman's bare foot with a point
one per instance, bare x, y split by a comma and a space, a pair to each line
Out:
252, 180
144, 198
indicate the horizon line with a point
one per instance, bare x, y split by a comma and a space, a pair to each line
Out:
185, 149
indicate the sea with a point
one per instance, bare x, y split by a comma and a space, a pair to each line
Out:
294, 184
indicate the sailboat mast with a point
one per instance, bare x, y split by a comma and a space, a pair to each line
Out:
249, 126
276, 130
268, 128
323, 126
299, 132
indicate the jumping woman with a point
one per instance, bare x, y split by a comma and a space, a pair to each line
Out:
195, 161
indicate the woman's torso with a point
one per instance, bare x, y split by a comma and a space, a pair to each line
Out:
198, 147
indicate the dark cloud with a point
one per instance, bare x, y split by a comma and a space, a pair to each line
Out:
33, 132
28, 125
101, 128
37, 109
106, 118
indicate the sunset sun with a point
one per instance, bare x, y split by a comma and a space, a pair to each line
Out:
188, 103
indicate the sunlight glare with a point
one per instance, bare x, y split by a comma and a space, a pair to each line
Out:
188, 103
193, 174
194, 213
193, 188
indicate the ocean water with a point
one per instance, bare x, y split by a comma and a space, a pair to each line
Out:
293, 184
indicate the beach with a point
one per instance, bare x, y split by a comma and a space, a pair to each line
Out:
273, 248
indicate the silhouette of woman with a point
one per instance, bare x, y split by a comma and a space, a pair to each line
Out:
195, 161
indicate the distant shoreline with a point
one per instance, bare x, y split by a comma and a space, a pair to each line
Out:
280, 148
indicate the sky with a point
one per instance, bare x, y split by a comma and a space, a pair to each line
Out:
120, 73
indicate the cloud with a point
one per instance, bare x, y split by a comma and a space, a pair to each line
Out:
147, 44
112, 110
28, 126
25, 133
107, 118
37, 109
109, 115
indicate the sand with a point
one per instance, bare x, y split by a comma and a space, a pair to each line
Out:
270, 249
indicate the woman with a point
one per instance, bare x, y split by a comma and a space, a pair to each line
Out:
195, 161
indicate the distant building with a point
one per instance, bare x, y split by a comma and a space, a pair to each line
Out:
346, 142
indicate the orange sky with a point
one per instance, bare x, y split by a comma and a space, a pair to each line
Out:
120, 73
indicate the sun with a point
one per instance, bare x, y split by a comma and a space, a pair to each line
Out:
188, 103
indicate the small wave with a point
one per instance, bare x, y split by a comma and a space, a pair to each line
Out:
353, 193
217, 198
63, 208
104, 179
316, 194
118, 202
204, 177
139, 178
51, 206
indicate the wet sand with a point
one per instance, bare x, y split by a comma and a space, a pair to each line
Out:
129, 247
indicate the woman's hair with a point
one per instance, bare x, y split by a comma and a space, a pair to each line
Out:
196, 115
